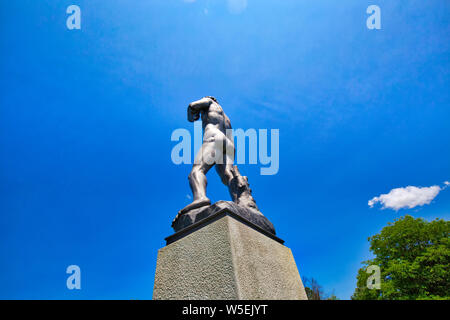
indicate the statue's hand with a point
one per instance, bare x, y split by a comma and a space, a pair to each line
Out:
192, 115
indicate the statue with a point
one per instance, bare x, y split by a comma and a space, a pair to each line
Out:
217, 150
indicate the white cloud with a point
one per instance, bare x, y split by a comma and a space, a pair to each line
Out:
408, 197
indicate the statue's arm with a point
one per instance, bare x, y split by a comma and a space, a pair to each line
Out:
192, 115
193, 112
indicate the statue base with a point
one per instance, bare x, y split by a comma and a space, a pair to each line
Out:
182, 221
225, 256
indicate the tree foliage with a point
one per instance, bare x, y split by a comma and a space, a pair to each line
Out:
414, 258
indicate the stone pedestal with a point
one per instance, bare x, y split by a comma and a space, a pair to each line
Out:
226, 257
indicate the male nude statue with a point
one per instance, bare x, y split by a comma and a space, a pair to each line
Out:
218, 150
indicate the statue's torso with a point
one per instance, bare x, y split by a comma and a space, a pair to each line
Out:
215, 123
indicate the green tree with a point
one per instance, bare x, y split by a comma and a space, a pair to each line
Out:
414, 258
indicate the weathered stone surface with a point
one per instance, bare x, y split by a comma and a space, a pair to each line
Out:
227, 259
182, 221
264, 268
198, 266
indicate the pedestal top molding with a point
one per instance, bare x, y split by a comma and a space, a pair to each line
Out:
227, 211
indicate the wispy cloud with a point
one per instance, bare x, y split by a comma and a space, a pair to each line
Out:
234, 6
408, 197
237, 6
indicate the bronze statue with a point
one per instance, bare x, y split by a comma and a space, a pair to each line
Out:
217, 149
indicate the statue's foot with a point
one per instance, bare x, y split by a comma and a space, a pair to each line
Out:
195, 204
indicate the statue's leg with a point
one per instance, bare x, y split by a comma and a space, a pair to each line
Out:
225, 173
198, 181
225, 169
237, 184
197, 177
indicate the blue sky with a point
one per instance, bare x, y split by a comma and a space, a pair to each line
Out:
86, 117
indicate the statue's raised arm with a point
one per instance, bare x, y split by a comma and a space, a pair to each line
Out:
196, 107
192, 115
